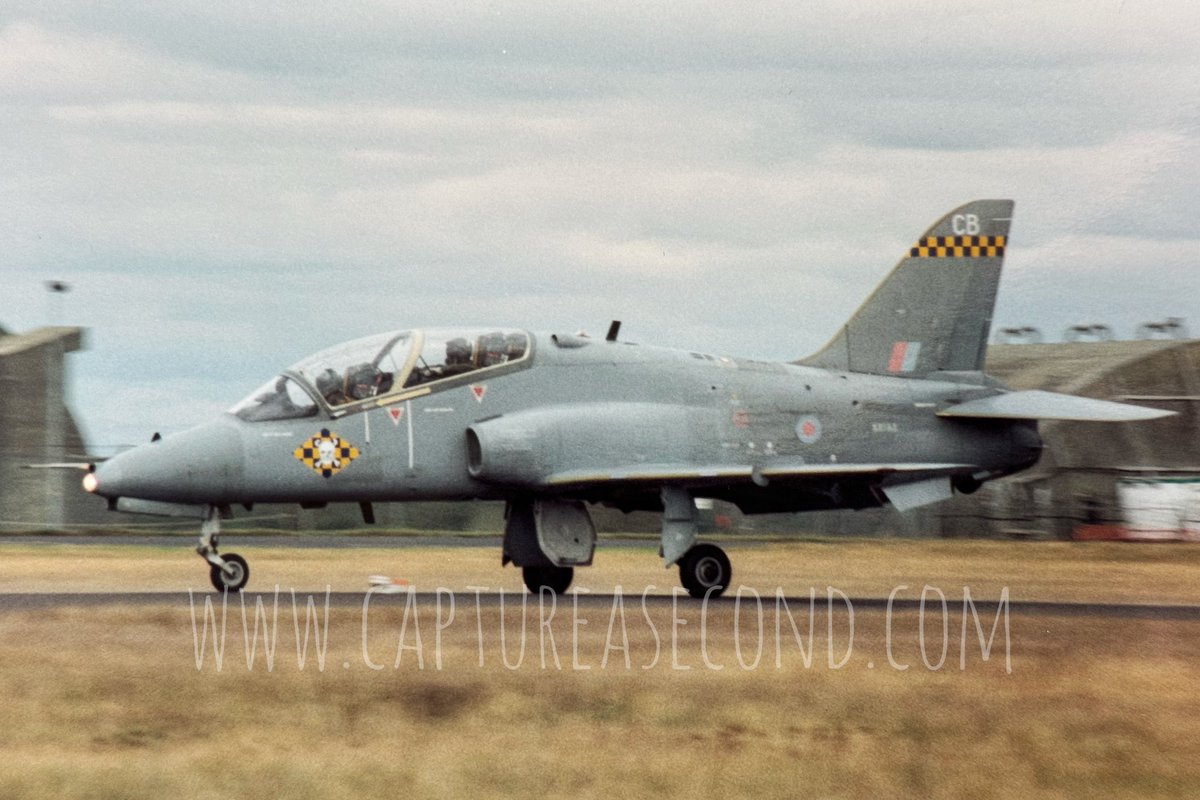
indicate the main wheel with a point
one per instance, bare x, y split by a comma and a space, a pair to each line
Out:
233, 580
965, 484
705, 567
556, 579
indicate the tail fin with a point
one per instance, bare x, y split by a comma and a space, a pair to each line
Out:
934, 311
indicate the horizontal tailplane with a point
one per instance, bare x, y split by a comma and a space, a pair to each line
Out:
1036, 404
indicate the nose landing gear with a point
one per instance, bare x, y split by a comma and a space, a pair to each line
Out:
229, 572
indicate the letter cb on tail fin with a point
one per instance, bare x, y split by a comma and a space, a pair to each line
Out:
933, 313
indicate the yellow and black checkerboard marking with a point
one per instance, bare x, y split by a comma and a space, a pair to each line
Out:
958, 247
326, 453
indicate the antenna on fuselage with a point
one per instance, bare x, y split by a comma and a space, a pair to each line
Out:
613, 329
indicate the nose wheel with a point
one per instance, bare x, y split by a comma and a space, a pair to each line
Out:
705, 568
233, 576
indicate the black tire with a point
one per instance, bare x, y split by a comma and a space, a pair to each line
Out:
234, 583
965, 484
556, 579
705, 567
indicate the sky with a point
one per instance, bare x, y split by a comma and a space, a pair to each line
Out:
228, 187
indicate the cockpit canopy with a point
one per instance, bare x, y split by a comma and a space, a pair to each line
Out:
353, 374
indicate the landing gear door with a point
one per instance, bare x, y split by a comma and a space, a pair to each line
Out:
565, 532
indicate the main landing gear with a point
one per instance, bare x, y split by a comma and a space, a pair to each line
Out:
548, 538
703, 569
229, 572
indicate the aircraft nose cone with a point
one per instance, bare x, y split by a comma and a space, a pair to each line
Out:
105, 479
202, 465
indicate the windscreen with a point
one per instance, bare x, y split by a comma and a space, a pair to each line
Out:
279, 398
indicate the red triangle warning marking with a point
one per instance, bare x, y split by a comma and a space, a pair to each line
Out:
479, 390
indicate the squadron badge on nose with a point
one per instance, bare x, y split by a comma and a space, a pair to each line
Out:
326, 453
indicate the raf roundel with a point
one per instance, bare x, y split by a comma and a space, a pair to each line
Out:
326, 453
808, 429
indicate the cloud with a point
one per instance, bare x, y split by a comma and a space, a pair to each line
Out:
215, 177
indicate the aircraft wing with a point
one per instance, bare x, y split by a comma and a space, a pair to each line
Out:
695, 476
1036, 404
882, 470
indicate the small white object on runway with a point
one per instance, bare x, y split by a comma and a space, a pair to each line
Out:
382, 584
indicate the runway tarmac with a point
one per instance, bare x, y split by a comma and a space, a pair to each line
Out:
284, 539
333, 541
10, 602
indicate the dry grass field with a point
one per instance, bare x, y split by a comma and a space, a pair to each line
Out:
603, 695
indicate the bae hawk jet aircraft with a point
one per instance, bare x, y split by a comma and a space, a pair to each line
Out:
895, 409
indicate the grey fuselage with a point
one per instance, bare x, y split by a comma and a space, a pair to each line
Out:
592, 420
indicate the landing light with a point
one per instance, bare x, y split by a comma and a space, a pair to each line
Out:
90, 483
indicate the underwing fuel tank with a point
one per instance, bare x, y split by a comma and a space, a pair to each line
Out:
201, 465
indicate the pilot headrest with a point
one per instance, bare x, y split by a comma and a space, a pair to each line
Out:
458, 351
362, 380
328, 381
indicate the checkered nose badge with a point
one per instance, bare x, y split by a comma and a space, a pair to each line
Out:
326, 453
